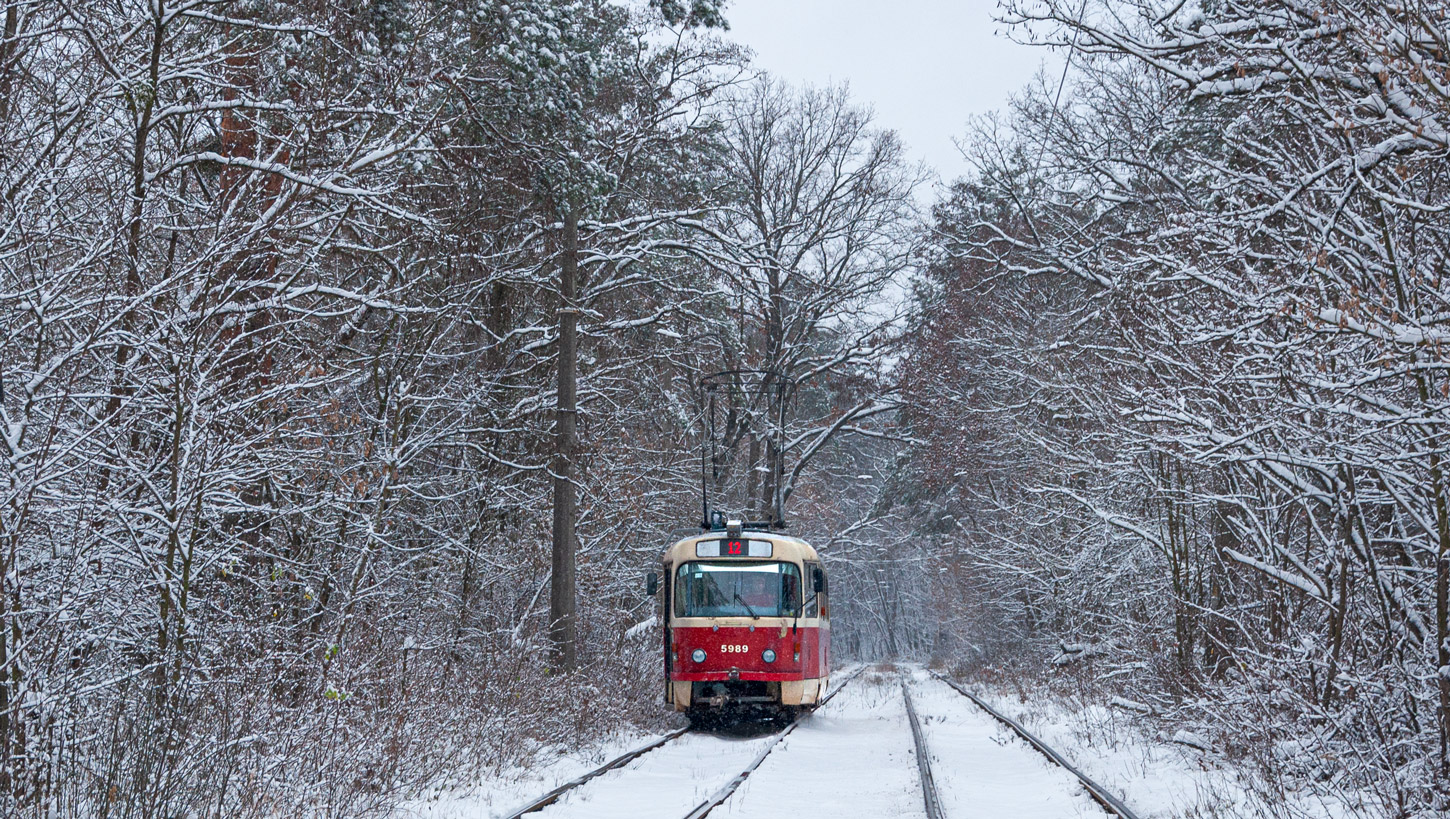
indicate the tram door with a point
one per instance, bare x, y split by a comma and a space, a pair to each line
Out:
817, 609
669, 648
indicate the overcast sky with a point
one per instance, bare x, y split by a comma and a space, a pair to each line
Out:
925, 66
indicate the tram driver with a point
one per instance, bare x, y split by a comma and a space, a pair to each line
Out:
760, 591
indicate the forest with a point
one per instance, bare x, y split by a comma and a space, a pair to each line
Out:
353, 352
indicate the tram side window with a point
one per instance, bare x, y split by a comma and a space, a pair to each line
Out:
706, 589
812, 605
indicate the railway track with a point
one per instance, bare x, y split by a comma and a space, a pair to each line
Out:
725, 792
931, 799
618, 762
624, 759
923, 761
1101, 795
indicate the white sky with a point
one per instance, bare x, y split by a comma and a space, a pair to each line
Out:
925, 66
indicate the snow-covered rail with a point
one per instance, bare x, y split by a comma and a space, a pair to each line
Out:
923, 760
624, 759
1104, 797
618, 762
725, 792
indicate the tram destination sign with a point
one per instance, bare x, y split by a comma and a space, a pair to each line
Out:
739, 547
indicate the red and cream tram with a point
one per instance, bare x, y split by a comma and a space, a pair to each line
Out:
746, 624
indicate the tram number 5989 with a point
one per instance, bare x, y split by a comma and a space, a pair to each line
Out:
727, 648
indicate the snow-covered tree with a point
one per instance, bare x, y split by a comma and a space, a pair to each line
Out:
1188, 320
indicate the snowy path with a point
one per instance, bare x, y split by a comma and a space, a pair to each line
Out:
666, 783
982, 769
854, 757
672, 780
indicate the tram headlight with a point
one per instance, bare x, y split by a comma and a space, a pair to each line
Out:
768, 655
698, 655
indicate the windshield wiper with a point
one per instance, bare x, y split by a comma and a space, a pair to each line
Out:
713, 582
735, 592
741, 601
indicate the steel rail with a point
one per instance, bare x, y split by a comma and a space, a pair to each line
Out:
724, 793
619, 761
923, 764
629, 756
1103, 796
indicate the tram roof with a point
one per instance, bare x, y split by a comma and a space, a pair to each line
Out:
785, 546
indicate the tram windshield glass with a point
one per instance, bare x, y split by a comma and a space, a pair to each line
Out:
734, 589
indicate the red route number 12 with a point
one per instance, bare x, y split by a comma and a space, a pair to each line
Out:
734, 547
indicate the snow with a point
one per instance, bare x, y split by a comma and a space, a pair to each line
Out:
641, 628
508, 789
1159, 778
1192, 740
668, 781
665, 783
982, 768
853, 757
1131, 705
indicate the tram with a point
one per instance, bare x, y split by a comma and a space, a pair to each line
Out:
747, 629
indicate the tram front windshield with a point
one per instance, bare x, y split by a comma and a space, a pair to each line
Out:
733, 589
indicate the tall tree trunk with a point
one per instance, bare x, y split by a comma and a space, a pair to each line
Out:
9, 47
1217, 633
562, 602
12, 736
8, 620
1442, 609
1442, 572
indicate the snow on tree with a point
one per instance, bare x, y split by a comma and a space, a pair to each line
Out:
1188, 321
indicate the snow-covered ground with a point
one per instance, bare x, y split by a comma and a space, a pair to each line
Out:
855, 758
852, 758
509, 788
1157, 777
982, 768
666, 783
683, 772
